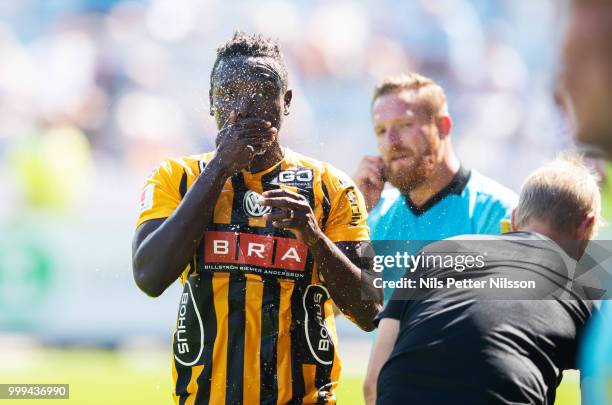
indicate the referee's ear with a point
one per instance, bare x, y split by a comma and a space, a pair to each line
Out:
513, 220
445, 125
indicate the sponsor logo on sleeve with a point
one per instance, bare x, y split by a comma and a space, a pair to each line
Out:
146, 198
356, 214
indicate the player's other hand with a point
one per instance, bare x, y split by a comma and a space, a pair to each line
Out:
370, 179
241, 139
291, 211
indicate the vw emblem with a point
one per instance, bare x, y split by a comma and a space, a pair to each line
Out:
252, 204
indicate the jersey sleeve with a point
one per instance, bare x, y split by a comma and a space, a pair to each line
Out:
393, 309
348, 214
160, 195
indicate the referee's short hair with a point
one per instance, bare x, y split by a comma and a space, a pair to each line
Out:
561, 193
429, 93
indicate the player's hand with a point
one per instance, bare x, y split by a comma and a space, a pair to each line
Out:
240, 140
291, 211
370, 179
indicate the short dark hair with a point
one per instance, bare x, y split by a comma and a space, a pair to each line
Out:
252, 45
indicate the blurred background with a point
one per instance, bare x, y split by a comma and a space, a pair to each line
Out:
95, 93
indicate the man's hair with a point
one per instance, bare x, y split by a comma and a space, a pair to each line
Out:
252, 45
429, 93
560, 193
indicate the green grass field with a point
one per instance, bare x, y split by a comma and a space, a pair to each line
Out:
98, 377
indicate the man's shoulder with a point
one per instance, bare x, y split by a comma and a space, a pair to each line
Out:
476, 237
298, 159
196, 161
323, 168
489, 191
380, 218
520, 239
470, 243
190, 164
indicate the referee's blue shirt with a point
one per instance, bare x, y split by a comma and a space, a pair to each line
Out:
470, 204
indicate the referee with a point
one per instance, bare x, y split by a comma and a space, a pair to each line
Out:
433, 196
495, 345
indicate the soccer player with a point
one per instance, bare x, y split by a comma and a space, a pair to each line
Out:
265, 242
489, 344
433, 196
588, 81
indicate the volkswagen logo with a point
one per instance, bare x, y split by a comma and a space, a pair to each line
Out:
252, 204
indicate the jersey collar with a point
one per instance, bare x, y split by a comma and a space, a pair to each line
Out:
456, 186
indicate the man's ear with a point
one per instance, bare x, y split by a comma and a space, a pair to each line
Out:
513, 220
210, 102
445, 125
287, 99
585, 229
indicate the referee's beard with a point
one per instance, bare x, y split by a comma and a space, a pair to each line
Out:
412, 172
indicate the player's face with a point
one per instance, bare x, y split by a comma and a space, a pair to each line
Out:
251, 88
407, 137
588, 71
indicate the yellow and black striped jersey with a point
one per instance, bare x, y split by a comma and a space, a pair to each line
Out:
255, 321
